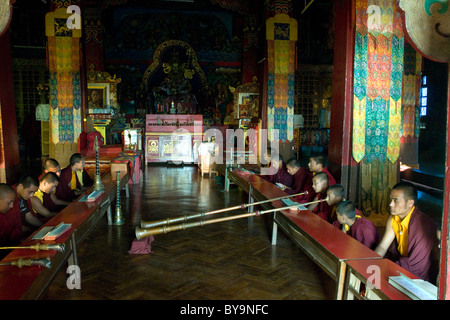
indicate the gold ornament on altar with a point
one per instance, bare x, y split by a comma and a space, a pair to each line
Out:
97, 179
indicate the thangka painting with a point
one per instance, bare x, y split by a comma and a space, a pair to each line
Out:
281, 36
137, 32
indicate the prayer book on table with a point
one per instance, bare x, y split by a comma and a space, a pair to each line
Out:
50, 233
58, 231
94, 195
416, 289
289, 202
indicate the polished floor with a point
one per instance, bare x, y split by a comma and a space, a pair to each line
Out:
229, 260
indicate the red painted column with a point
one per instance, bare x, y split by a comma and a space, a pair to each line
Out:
444, 279
340, 160
10, 158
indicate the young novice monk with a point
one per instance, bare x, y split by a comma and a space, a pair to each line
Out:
10, 223
278, 173
42, 201
317, 164
300, 176
357, 226
51, 165
335, 195
320, 186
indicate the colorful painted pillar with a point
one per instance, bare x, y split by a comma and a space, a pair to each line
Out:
64, 63
340, 161
9, 147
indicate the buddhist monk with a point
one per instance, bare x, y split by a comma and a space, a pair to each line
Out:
42, 201
265, 162
320, 186
300, 176
51, 165
410, 236
277, 172
10, 229
74, 179
317, 164
356, 226
25, 189
335, 195
52, 203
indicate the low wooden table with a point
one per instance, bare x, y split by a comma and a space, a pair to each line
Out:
366, 271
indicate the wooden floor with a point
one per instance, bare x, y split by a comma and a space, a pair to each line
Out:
229, 260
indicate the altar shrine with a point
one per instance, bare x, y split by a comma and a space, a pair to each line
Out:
171, 137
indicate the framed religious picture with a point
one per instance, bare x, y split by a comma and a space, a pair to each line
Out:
243, 111
98, 97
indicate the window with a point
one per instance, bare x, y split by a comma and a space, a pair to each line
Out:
424, 97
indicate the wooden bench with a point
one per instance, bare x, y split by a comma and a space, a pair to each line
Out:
31, 282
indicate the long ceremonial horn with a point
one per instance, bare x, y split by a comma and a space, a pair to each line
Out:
150, 224
60, 247
42, 262
142, 233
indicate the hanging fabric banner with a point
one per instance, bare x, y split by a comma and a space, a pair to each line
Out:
378, 70
64, 82
281, 37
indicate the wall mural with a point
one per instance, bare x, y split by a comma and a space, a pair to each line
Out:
137, 34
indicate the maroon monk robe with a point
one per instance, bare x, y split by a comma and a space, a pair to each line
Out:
331, 180
13, 220
11, 228
298, 181
422, 247
63, 190
322, 209
306, 187
279, 176
365, 232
